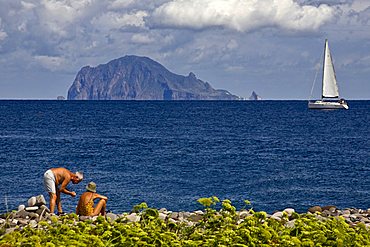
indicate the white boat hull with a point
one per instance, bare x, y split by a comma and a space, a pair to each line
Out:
319, 104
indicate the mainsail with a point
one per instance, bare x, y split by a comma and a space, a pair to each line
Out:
329, 81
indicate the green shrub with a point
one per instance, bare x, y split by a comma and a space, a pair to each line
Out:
220, 227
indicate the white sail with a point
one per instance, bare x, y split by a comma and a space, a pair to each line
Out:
329, 86
329, 81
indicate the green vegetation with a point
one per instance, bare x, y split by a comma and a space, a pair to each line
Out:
223, 227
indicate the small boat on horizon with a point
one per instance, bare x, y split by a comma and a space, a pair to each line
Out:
330, 92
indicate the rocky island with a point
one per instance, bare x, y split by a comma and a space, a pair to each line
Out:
140, 78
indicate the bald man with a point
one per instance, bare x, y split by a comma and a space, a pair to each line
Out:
56, 181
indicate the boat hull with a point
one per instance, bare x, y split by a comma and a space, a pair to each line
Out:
319, 104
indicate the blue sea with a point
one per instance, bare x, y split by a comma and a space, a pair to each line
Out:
276, 154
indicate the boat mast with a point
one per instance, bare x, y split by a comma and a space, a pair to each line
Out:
323, 70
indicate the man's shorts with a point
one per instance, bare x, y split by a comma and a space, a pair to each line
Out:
49, 182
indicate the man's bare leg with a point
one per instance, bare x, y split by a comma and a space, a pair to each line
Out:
59, 204
100, 208
53, 198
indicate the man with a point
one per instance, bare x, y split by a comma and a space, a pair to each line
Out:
85, 205
59, 176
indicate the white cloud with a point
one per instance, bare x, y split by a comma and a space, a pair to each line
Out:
142, 39
242, 15
52, 63
360, 5
22, 27
3, 34
114, 20
232, 44
27, 5
58, 16
120, 4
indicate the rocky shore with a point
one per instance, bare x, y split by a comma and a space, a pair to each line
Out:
37, 212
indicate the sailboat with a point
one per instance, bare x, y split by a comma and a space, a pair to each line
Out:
330, 93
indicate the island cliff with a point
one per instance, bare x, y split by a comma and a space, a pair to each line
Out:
140, 78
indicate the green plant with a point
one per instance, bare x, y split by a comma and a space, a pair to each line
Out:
220, 227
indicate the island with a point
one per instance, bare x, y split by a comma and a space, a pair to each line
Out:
140, 78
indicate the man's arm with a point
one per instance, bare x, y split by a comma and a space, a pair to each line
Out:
63, 188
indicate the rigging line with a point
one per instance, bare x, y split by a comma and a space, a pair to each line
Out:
314, 81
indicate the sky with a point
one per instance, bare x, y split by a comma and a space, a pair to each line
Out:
272, 47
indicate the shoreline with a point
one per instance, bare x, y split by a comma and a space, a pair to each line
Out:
327, 226
32, 216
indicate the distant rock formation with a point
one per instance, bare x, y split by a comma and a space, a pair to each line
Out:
255, 96
61, 98
140, 78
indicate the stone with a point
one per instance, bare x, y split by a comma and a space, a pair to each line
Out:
40, 200
45, 207
162, 216
32, 201
162, 210
42, 210
330, 208
185, 214
133, 217
354, 210
290, 224
326, 213
22, 214
21, 207
321, 218
174, 215
34, 208
354, 217
346, 213
189, 223
33, 215
315, 209
111, 217
200, 212
289, 211
170, 220
278, 214
365, 220
193, 217
36, 201
244, 214
23, 222
181, 216
275, 217
85, 218
32, 223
